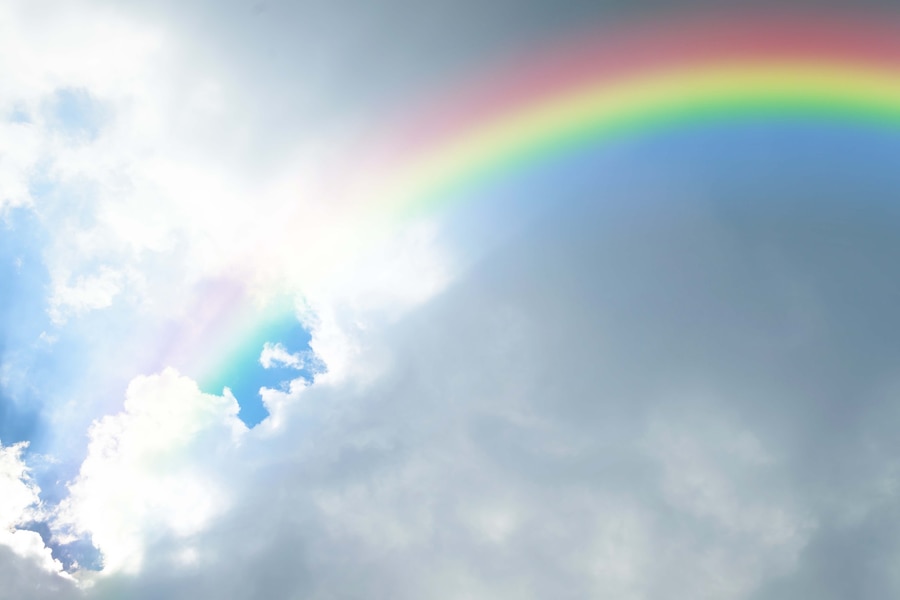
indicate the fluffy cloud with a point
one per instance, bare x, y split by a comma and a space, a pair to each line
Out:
277, 355
86, 293
152, 468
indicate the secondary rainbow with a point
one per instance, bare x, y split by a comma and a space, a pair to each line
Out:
596, 87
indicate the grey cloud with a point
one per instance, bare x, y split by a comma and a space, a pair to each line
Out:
694, 403
24, 579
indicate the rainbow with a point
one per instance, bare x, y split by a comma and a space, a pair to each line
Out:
219, 341
603, 84
606, 84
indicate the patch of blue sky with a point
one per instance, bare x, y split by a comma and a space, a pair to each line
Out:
33, 370
76, 114
63, 204
46, 369
82, 376
23, 321
79, 553
18, 114
245, 375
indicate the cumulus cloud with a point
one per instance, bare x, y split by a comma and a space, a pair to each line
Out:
274, 355
146, 469
85, 293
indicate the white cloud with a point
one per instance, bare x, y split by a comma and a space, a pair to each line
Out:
147, 470
276, 355
159, 196
86, 293
20, 153
19, 496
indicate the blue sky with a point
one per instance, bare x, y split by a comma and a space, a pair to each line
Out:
664, 365
23, 321
251, 375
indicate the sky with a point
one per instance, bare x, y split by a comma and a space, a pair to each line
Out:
665, 365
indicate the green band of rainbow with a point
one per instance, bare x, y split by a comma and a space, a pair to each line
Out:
646, 79
601, 112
